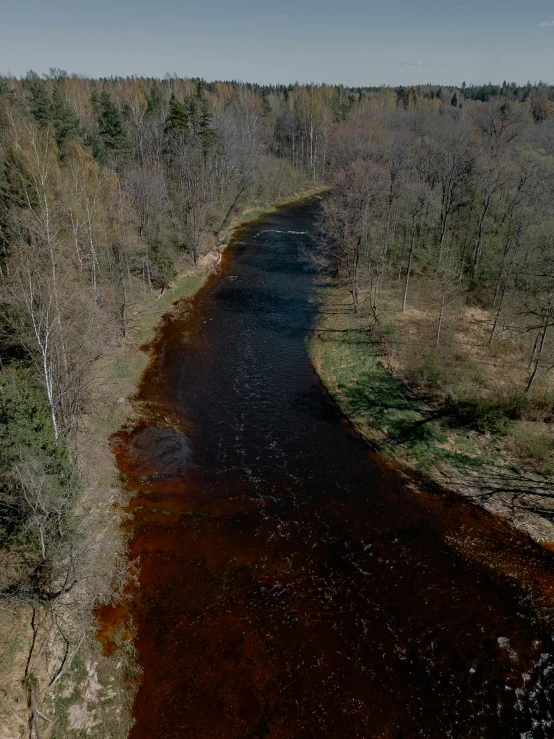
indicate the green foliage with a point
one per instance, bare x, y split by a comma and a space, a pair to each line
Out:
66, 122
97, 147
428, 372
6, 91
385, 331
26, 435
25, 423
41, 107
163, 269
486, 415
53, 112
110, 128
177, 119
533, 445
192, 110
154, 100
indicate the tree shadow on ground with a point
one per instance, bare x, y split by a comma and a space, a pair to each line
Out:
385, 403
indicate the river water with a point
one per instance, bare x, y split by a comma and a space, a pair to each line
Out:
292, 584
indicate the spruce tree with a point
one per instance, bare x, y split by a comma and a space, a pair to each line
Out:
110, 128
177, 119
6, 92
97, 147
41, 106
192, 111
208, 136
454, 101
66, 122
154, 100
402, 96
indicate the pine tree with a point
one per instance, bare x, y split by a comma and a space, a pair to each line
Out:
454, 101
177, 119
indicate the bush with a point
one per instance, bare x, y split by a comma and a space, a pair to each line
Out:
516, 404
385, 332
485, 415
492, 415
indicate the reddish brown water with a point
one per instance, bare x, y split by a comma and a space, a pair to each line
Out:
292, 584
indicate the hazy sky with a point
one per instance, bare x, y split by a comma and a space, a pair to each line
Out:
356, 42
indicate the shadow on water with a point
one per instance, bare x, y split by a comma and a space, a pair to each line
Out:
292, 584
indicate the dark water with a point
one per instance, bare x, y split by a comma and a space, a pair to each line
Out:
292, 584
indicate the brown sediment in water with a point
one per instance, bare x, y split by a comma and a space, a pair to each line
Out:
293, 584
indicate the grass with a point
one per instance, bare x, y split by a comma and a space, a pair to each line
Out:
531, 444
390, 412
252, 214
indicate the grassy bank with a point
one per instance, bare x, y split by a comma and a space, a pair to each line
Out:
449, 412
251, 214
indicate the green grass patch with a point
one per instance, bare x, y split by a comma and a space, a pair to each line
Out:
349, 360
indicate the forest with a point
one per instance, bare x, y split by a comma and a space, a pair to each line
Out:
453, 201
438, 227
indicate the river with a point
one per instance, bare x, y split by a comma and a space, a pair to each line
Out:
293, 584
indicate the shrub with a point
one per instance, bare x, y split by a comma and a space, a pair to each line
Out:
427, 372
516, 404
485, 415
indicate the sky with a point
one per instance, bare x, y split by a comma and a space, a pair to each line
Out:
353, 42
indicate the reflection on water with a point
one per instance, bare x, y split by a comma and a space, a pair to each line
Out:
292, 584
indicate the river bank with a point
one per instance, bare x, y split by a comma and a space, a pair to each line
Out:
364, 374
280, 558
94, 691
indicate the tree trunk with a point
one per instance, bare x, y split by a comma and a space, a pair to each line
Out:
441, 314
538, 355
409, 267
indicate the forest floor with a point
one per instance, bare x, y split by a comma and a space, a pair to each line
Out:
457, 413
94, 694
